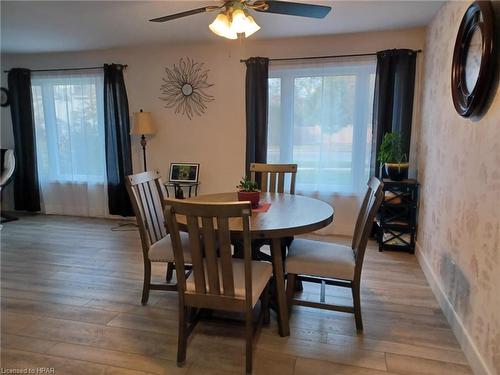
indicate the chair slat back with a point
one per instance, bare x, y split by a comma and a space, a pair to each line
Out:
210, 244
273, 176
358, 228
364, 224
147, 193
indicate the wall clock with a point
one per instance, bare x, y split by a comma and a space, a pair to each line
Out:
473, 59
4, 97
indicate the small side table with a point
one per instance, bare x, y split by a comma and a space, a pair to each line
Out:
397, 216
179, 191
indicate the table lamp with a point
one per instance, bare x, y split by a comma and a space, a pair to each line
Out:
143, 125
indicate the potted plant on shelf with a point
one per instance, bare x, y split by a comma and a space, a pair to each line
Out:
393, 158
249, 191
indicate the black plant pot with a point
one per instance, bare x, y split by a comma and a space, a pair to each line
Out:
397, 171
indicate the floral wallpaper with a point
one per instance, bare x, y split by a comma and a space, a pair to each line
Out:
459, 172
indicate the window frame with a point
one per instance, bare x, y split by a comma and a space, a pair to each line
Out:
362, 69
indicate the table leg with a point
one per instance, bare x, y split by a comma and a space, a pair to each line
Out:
279, 278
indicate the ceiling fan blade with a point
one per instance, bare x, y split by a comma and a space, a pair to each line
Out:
185, 14
295, 9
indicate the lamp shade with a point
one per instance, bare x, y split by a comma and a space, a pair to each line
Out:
252, 27
221, 25
143, 124
238, 22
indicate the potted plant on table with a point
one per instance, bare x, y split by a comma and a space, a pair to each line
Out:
393, 158
248, 191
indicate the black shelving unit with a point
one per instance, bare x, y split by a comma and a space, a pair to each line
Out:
397, 217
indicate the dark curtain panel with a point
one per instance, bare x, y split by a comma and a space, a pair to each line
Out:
2, 159
256, 92
393, 99
26, 190
117, 134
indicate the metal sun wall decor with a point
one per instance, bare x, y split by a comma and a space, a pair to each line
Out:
184, 88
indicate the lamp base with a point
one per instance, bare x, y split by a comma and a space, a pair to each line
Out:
143, 144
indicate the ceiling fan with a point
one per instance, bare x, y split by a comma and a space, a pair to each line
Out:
234, 18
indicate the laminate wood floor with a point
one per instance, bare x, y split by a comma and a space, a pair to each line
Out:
70, 300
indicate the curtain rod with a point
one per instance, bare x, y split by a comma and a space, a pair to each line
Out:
65, 69
323, 57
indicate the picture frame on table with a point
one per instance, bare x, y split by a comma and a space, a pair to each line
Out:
184, 172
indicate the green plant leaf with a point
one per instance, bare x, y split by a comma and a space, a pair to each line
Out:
247, 185
391, 149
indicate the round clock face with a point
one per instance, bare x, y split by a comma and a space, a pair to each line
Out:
187, 89
4, 97
473, 59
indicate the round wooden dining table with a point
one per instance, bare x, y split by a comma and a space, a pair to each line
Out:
287, 216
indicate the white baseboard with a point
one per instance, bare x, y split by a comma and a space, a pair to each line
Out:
468, 346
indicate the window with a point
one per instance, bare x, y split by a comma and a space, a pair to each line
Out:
69, 122
320, 117
69, 126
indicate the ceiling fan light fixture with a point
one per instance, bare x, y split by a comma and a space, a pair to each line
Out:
234, 19
221, 26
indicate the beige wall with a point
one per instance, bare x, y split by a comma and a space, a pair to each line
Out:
216, 140
459, 224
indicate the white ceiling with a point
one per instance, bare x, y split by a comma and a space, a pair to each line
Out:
49, 26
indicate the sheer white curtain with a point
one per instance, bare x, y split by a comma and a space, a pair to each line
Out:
320, 117
69, 123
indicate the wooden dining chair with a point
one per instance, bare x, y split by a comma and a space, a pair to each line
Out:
147, 195
217, 281
272, 176
333, 264
272, 179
